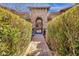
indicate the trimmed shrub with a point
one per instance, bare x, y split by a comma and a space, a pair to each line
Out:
63, 33
15, 33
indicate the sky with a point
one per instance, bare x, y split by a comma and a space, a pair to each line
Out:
23, 7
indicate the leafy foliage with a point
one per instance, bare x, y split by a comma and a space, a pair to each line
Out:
15, 33
63, 33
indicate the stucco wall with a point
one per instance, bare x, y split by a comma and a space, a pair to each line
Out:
39, 12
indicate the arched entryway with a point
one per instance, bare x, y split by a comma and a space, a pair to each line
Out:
38, 28
39, 25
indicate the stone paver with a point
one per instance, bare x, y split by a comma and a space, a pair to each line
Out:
38, 47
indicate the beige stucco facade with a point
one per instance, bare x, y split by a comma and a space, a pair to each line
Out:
39, 12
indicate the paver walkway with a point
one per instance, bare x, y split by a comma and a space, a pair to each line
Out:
38, 47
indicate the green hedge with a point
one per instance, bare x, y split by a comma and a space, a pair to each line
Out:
63, 33
15, 33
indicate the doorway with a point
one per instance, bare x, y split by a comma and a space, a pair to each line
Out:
39, 25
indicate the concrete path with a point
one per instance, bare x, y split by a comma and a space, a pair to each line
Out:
38, 47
